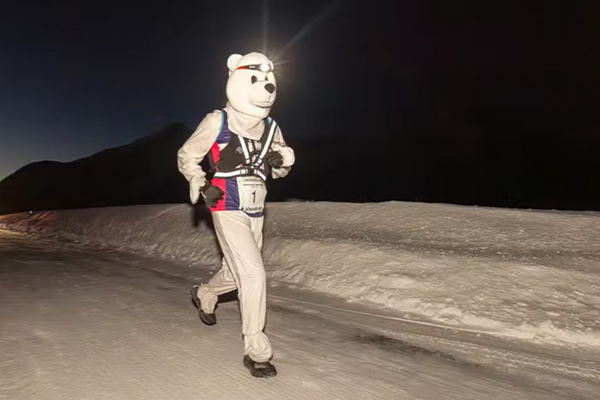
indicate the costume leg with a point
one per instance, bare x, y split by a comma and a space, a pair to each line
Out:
219, 284
240, 237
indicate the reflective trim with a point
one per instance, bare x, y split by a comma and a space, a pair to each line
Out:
267, 145
245, 149
240, 172
237, 172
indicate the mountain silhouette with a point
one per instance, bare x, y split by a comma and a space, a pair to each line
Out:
433, 166
142, 172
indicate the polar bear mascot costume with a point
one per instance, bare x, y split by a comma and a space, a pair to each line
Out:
244, 146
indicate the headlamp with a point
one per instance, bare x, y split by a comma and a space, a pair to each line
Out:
263, 67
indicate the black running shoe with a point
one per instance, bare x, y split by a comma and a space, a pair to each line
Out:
260, 369
208, 319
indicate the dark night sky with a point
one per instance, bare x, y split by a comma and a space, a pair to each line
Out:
77, 77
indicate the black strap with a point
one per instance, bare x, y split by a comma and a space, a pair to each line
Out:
232, 155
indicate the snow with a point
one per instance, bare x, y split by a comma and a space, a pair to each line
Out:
84, 323
529, 275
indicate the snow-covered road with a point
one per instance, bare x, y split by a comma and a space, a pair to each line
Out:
82, 324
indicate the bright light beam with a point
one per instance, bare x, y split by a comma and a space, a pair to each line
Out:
312, 23
283, 62
265, 31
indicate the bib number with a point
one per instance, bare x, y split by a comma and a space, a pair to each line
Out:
252, 191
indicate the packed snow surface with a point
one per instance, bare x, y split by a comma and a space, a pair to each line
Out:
532, 275
82, 323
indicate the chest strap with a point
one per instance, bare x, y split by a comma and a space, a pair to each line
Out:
243, 171
251, 167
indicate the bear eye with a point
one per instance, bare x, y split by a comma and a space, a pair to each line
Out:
253, 79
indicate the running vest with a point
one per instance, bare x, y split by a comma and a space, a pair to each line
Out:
232, 158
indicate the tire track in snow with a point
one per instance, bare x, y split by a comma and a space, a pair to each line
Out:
578, 375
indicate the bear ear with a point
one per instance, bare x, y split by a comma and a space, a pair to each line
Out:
232, 61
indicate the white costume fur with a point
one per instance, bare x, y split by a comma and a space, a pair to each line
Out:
239, 235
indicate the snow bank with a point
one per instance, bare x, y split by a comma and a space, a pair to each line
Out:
526, 274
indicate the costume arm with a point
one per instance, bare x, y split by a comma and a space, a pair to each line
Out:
194, 150
286, 152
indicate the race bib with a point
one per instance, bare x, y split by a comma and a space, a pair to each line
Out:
252, 191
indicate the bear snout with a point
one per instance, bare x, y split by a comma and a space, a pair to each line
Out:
269, 87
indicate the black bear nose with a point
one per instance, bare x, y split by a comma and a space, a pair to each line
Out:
270, 87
